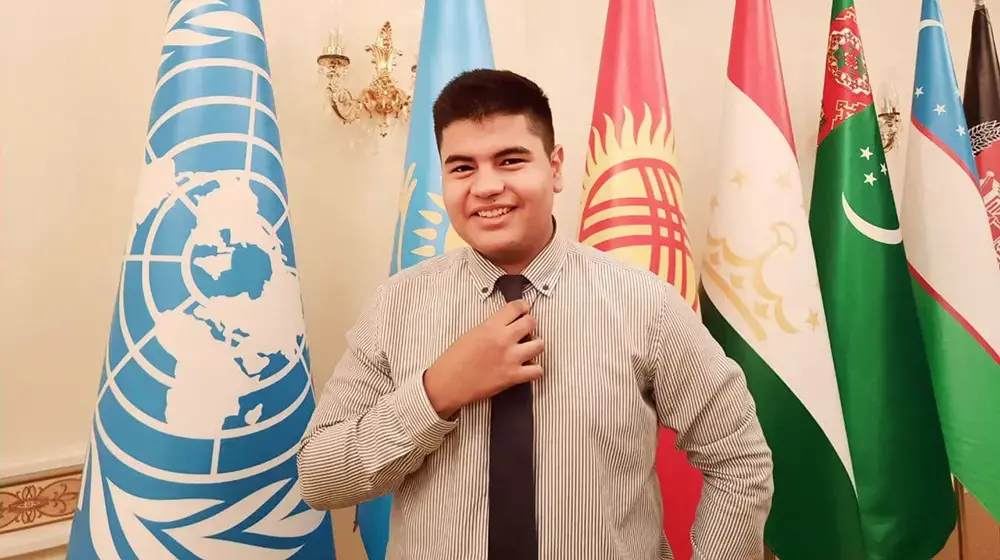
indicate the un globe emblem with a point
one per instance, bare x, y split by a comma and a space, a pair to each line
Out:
207, 355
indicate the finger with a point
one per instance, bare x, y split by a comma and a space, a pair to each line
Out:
521, 327
511, 311
528, 350
528, 372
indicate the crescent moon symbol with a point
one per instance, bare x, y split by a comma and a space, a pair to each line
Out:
868, 229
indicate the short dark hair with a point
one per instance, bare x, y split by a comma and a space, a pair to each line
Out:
479, 94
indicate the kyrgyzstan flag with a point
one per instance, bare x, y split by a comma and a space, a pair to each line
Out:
633, 203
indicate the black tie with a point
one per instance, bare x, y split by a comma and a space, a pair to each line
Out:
513, 535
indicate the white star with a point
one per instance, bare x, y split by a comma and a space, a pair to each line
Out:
866, 152
940, 109
870, 178
960, 130
884, 171
918, 92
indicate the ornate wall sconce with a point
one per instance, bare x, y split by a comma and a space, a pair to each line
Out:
888, 119
383, 99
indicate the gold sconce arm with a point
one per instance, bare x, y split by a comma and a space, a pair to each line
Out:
383, 99
335, 65
888, 126
888, 118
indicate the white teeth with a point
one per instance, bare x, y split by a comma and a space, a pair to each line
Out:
493, 213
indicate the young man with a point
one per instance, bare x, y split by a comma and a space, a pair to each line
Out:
509, 393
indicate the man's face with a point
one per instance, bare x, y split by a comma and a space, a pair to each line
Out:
498, 186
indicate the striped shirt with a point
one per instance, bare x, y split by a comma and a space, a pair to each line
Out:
623, 354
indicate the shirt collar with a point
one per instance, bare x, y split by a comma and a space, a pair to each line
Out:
542, 272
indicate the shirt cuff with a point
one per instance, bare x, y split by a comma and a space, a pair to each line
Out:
418, 418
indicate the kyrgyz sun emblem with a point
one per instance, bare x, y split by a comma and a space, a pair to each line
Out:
633, 200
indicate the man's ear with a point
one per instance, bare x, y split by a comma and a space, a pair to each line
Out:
556, 161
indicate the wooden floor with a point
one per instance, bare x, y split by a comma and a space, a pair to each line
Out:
980, 537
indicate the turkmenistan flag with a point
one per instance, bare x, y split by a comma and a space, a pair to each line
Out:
900, 468
762, 302
952, 231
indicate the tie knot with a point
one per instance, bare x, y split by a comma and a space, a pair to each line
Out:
511, 286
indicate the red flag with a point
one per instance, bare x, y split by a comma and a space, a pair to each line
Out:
633, 203
982, 111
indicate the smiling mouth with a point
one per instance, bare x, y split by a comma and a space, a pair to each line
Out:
493, 213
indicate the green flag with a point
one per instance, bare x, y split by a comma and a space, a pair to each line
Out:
900, 467
951, 223
761, 301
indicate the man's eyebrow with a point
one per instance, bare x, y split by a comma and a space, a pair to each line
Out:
511, 151
459, 158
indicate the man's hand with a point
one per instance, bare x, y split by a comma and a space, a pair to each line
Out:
485, 360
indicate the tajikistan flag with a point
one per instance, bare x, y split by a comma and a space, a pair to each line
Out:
762, 302
950, 250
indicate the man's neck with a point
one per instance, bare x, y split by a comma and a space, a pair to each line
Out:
513, 268
518, 266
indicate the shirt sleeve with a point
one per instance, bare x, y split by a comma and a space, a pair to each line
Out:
366, 434
702, 395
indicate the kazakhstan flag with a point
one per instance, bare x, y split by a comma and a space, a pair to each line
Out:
455, 38
205, 389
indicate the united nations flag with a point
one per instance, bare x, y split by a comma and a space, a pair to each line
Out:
205, 389
455, 38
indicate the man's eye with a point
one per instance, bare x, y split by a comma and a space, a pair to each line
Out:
461, 169
512, 161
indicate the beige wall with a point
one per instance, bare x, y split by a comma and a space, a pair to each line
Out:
75, 86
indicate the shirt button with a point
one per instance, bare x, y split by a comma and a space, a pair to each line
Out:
545, 288
484, 289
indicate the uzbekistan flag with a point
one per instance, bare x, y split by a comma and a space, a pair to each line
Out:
954, 266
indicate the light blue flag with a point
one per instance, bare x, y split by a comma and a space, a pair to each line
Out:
455, 38
205, 389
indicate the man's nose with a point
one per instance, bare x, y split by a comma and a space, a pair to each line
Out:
487, 184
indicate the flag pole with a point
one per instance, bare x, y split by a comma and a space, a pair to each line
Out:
960, 495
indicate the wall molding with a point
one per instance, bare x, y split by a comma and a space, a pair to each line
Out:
37, 467
36, 509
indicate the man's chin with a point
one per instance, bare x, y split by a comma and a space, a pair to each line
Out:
494, 247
